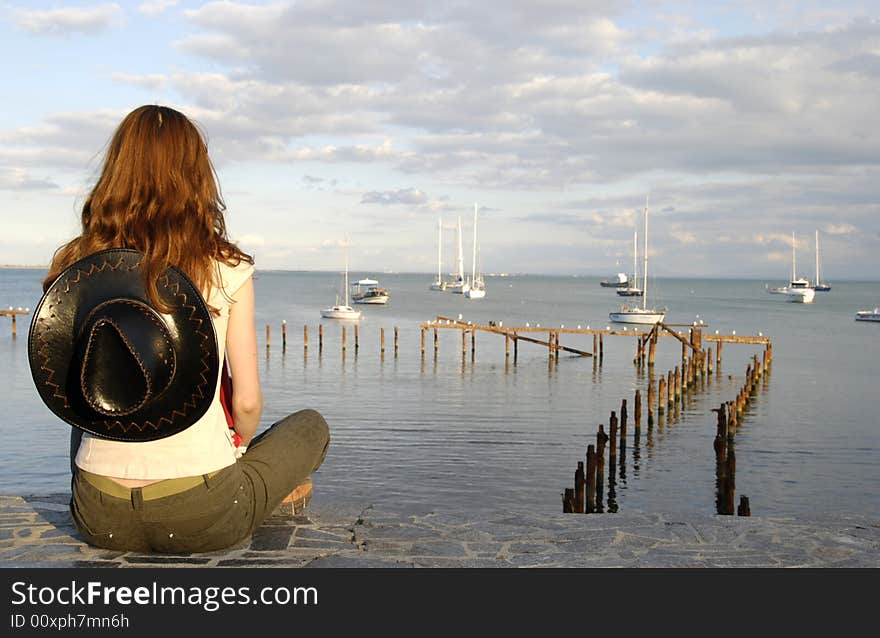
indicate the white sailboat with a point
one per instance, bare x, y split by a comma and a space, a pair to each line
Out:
439, 284
459, 285
343, 311
633, 290
799, 290
643, 315
477, 288
868, 315
819, 287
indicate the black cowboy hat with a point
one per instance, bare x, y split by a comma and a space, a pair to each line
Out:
108, 362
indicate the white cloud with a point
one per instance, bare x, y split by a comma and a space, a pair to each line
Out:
841, 229
67, 20
156, 7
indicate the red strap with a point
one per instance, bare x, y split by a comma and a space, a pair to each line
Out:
226, 400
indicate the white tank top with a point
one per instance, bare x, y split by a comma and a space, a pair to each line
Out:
205, 446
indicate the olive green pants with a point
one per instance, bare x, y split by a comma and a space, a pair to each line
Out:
222, 509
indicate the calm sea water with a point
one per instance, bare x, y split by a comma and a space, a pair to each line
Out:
480, 434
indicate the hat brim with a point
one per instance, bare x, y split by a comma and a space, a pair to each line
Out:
110, 274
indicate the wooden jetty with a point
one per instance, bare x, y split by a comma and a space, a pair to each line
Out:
14, 312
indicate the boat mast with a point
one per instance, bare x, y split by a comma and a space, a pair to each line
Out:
793, 268
817, 257
474, 272
346, 271
645, 286
439, 250
635, 283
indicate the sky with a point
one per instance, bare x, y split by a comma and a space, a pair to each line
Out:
742, 121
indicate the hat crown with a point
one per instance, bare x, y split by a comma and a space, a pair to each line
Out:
125, 357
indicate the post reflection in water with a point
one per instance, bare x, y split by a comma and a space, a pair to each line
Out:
637, 457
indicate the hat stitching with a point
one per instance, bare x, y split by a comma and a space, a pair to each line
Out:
56, 388
131, 349
206, 353
198, 393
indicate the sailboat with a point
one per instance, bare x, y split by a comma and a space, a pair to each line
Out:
633, 290
643, 315
477, 288
819, 287
798, 290
459, 285
439, 284
343, 311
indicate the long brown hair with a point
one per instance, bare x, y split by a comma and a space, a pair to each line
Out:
157, 194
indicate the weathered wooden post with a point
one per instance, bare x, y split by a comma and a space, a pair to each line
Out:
267, 336
515, 348
652, 347
743, 509
506, 346
423, 341
731, 479
709, 361
677, 384
612, 439
395, 342
14, 329
638, 411
463, 343
601, 440
661, 391
568, 501
670, 389
473, 343
601, 347
623, 416
284, 335
718, 356
579, 491
435, 343
650, 402
320, 338
382, 340
591, 479
343, 338
684, 353
306, 337
356, 341
595, 344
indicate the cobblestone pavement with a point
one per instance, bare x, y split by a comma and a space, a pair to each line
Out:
36, 531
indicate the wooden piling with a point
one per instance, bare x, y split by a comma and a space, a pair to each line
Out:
684, 354
652, 348
343, 338
623, 416
515, 348
568, 501
579, 488
661, 392
638, 411
601, 347
506, 346
14, 329
718, 356
284, 334
395, 341
435, 343
320, 338
612, 439
601, 440
709, 361
651, 402
382, 340
463, 343
473, 343
677, 384
670, 389
591, 479
267, 336
356, 341
595, 345
743, 509
305, 337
